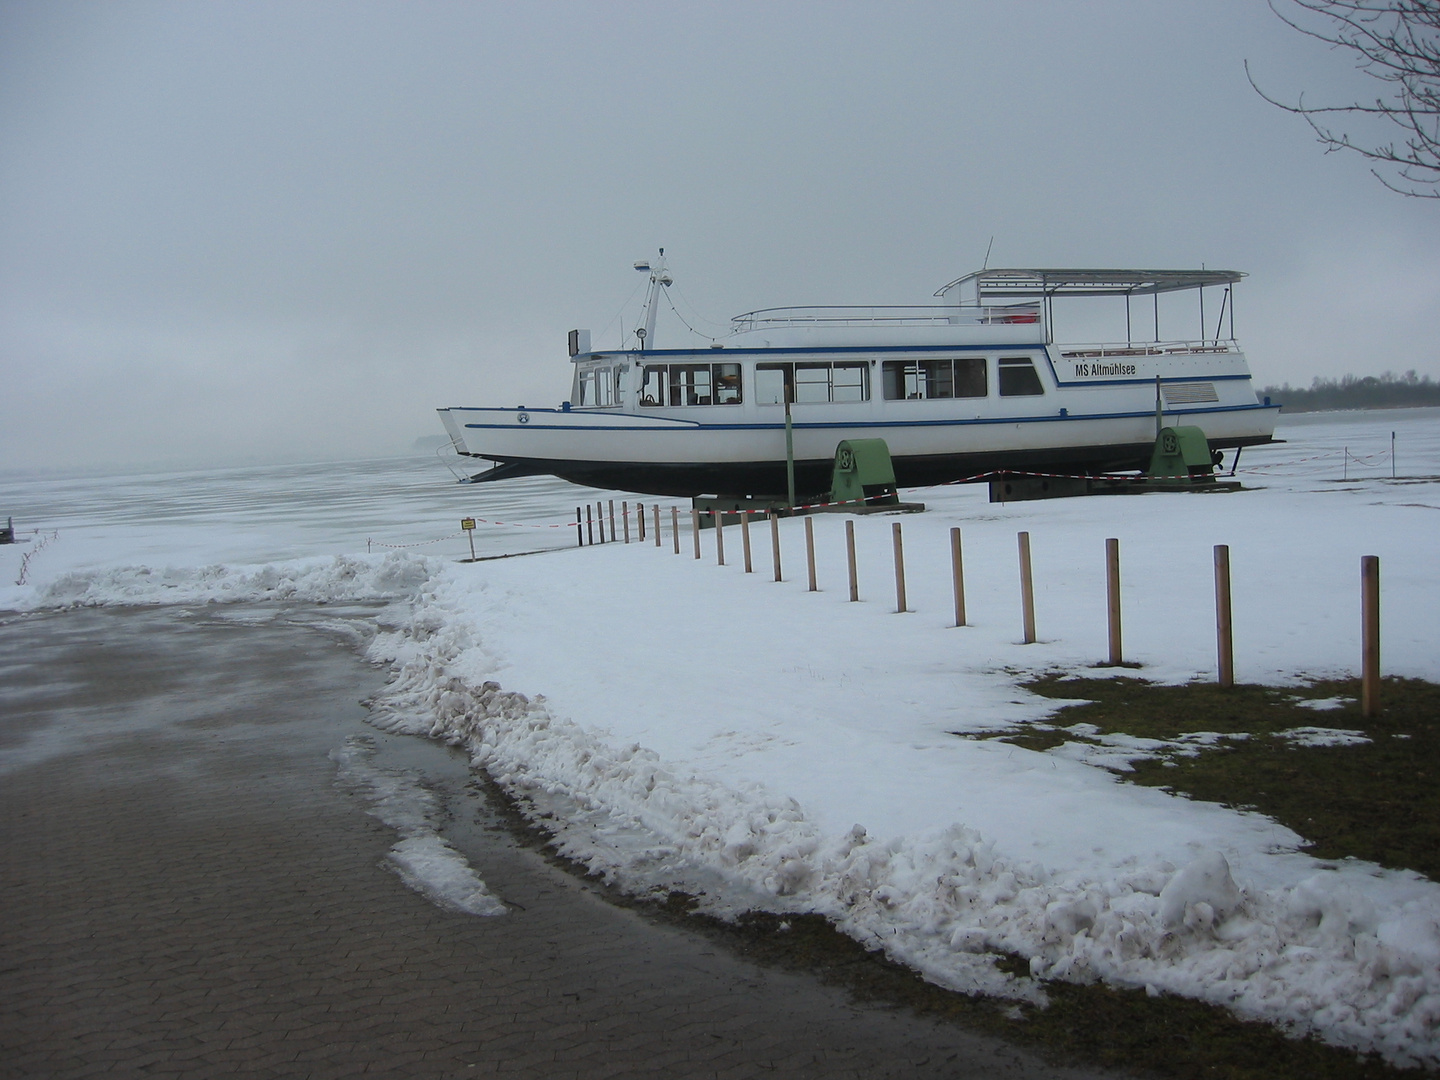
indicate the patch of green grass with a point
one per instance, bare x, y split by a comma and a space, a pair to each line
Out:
1378, 801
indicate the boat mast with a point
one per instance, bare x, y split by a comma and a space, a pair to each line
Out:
658, 276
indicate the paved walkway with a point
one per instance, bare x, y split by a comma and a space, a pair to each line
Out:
186, 892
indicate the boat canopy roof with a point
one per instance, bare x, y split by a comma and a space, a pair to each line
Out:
984, 286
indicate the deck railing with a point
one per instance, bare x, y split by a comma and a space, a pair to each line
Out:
915, 315
1146, 348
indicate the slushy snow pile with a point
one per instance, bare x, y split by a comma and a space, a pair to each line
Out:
681, 724
424, 859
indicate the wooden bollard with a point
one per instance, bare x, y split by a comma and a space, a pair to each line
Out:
625, 520
850, 558
899, 568
589, 524
1224, 642
775, 541
719, 537
957, 573
1112, 598
1370, 635
1027, 590
675, 526
695, 529
657, 524
810, 550
640, 521
579, 529
745, 537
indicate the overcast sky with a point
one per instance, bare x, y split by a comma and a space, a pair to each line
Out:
233, 232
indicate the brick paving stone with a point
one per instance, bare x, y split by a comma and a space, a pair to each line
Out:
189, 894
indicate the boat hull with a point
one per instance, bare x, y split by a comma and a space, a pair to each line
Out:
656, 457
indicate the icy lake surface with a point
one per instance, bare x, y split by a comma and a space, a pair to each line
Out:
693, 726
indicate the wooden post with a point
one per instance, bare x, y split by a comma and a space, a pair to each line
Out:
1224, 642
579, 530
1027, 590
657, 524
640, 521
589, 524
1370, 635
899, 569
612, 519
1112, 598
600, 519
775, 541
957, 571
625, 519
745, 537
719, 536
850, 558
695, 529
675, 526
810, 550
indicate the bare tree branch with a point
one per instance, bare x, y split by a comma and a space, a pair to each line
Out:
1396, 42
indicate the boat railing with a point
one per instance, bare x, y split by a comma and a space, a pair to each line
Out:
891, 315
1146, 348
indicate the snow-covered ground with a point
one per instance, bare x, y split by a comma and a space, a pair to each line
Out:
691, 726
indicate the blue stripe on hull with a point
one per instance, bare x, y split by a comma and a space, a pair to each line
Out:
832, 424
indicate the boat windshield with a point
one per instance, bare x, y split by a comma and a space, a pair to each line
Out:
599, 386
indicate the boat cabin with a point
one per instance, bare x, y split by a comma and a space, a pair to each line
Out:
978, 316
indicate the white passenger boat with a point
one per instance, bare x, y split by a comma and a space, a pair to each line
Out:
969, 385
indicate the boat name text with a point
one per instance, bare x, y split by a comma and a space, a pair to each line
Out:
1084, 371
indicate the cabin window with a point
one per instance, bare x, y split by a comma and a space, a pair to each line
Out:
690, 384
727, 383
599, 386
1018, 377
923, 379
770, 383
850, 382
812, 383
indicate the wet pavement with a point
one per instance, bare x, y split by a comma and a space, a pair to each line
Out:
186, 890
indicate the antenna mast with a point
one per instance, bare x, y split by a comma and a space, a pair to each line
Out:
658, 276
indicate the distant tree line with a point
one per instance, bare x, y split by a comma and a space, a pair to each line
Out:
1387, 391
